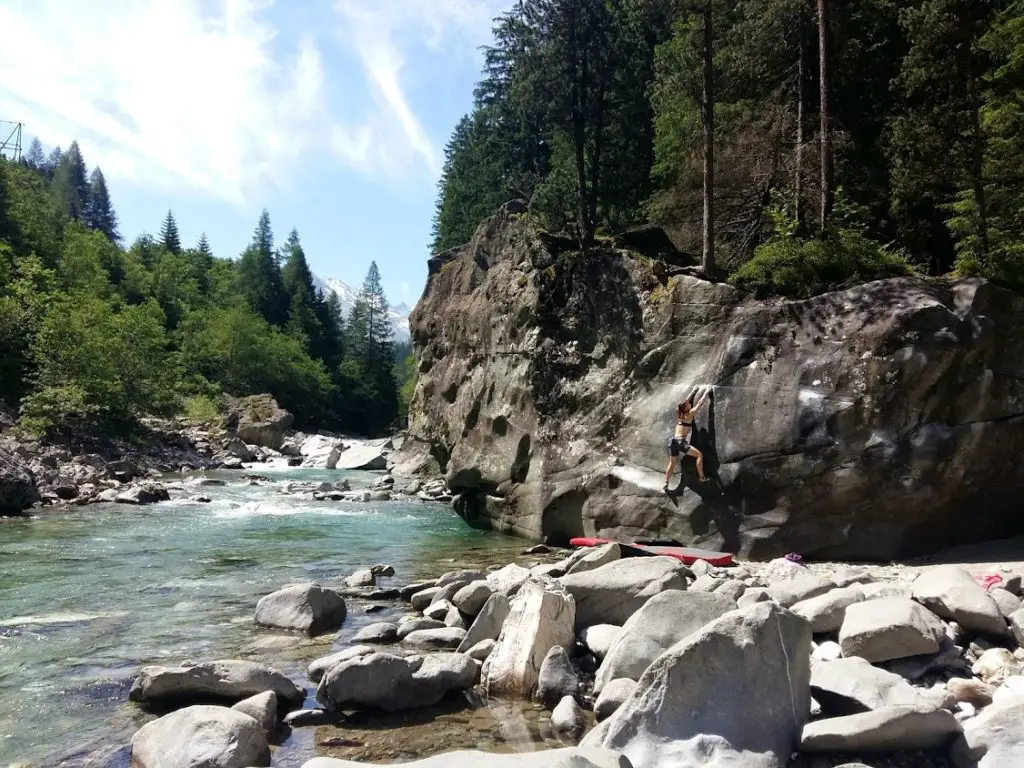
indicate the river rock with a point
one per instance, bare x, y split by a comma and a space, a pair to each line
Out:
826, 612
792, 591
698, 698
507, 579
995, 665
541, 616
1008, 602
993, 739
549, 758
393, 683
308, 608
263, 709
424, 597
144, 493
557, 678
1016, 622
472, 597
971, 691
568, 721
260, 421
882, 730
455, 618
487, 624
362, 457
433, 639
660, 623
951, 592
229, 680
438, 610
614, 592
462, 577
320, 452
890, 628
381, 632
481, 650
613, 695
409, 624
201, 736
753, 595
595, 558
318, 668
18, 489
311, 718
600, 638
850, 686
362, 578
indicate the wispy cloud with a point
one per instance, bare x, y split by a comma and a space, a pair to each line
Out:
175, 93
389, 137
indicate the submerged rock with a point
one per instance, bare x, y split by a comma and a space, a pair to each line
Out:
552, 758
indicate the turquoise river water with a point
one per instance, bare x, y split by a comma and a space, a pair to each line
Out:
88, 596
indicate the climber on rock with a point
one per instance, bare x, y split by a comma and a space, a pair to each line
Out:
680, 445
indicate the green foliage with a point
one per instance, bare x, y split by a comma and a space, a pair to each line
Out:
100, 211
405, 376
96, 364
259, 276
71, 184
169, 239
799, 268
201, 409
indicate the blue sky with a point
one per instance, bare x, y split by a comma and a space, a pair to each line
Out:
332, 114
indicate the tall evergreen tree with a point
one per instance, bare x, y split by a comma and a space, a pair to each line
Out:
369, 345
297, 281
100, 212
827, 193
169, 237
71, 184
53, 161
259, 277
35, 158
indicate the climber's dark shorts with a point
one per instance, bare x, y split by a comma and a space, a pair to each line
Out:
678, 446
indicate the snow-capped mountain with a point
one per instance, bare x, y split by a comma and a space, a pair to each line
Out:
347, 296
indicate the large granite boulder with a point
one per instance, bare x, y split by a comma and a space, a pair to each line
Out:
201, 737
887, 729
393, 683
871, 422
18, 489
541, 617
487, 624
307, 608
614, 592
259, 420
735, 693
662, 622
224, 680
993, 739
890, 628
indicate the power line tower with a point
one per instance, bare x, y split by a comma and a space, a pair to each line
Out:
10, 140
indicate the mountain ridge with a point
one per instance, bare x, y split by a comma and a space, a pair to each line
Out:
347, 295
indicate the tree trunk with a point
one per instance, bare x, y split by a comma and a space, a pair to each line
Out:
977, 160
826, 135
708, 255
801, 105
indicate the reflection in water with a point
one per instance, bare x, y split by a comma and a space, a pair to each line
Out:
90, 595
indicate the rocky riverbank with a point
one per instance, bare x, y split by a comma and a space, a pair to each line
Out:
256, 432
637, 661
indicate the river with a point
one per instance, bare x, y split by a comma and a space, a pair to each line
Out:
89, 595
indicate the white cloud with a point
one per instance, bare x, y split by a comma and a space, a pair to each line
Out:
172, 93
390, 138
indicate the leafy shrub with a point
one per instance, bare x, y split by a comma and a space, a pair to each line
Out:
797, 268
200, 409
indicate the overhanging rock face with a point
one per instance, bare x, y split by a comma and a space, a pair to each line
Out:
872, 422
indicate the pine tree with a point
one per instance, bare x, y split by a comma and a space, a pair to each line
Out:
35, 158
201, 260
708, 124
369, 344
827, 195
53, 161
169, 237
259, 277
71, 184
203, 246
100, 212
297, 281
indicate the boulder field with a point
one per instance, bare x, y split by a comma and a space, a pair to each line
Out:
870, 423
726, 669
